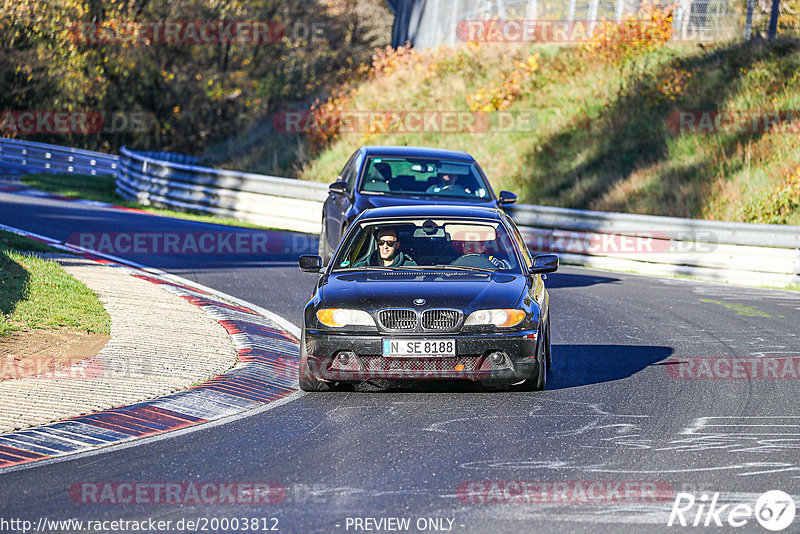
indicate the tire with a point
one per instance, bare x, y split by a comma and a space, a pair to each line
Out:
537, 381
307, 381
548, 347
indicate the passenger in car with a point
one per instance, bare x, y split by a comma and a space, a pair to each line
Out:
450, 183
475, 254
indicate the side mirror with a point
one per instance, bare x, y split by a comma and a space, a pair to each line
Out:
506, 197
338, 187
544, 263
310, 263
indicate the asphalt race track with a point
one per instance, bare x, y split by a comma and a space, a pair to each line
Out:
615, 410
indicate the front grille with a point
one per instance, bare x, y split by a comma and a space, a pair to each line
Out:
440, 319
419, 365
398, 319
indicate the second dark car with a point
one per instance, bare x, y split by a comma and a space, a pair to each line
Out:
381, 176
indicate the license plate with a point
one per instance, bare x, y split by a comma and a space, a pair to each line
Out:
419, 348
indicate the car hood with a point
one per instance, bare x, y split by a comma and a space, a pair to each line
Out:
467, 291
381, 201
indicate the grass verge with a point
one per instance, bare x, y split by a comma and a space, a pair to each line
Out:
38, 293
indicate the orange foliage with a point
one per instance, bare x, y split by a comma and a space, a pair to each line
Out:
503, 95
616, 42
325, 120
387, 60
780, 204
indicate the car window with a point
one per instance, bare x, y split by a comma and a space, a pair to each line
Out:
347, 167
425, 243
425, 178
352, 174
526, 254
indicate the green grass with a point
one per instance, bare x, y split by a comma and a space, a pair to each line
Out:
103, 189
602, 138
38, 293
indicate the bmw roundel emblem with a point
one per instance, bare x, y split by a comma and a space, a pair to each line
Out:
419, 302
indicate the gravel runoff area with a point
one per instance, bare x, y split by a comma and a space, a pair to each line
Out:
160, 343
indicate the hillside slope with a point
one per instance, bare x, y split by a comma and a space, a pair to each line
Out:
606, 133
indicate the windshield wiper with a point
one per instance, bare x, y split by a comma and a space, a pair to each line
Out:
364, 268
448, 267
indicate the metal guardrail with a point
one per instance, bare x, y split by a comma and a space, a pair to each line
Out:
751, 254
743, 253
266, 200
27, 157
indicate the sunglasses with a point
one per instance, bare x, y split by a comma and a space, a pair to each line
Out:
387, 242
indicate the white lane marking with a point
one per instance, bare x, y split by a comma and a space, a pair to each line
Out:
134, 441
733, 426
774, 467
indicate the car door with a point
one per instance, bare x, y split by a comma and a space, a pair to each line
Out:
348, 199
536, 290
334, 208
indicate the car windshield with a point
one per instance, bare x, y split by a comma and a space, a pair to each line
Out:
424, 177
456, 244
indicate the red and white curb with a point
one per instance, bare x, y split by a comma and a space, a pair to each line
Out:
266, 372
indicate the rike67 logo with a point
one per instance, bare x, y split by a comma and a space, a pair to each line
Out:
774, 510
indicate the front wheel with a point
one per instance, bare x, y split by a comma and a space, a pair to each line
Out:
537, 382
547, 346
307, 381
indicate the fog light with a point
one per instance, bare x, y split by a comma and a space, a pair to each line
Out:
343, 358
497, 358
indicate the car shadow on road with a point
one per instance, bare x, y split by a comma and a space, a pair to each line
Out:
581, 365
563, 280
573, 365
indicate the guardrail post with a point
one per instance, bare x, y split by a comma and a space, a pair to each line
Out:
773, 19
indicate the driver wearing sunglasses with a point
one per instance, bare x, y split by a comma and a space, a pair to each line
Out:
388, 253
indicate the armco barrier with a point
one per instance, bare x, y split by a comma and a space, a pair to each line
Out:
742, 253
27, 157
266, 200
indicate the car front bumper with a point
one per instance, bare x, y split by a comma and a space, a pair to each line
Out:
352, 357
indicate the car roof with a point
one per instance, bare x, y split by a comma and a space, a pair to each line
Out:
432, 211
417, 152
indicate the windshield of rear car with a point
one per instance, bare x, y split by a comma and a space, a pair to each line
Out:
424, 177
429, 244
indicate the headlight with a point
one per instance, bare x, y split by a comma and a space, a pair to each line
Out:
499, 318
338, 317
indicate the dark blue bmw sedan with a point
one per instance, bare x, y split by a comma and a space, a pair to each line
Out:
380, 176
428, 292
